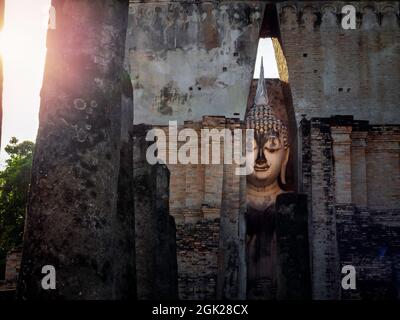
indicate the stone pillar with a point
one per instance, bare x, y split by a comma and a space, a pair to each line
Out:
213, 173
156, 262
359, 168
341, 144
164, 248
194, 185
232, 274
177, 186
71, 216
293, 266
325, 260
124, 242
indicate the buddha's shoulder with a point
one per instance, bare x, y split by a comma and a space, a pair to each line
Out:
291, 198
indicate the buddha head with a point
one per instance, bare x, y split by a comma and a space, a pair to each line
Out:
270, 143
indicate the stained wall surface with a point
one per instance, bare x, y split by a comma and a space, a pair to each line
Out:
192, 59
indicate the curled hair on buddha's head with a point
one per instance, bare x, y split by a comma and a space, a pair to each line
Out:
261, 116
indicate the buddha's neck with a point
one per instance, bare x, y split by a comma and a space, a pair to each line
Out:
264, 190
261, 198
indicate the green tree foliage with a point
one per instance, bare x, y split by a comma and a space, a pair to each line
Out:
14, 188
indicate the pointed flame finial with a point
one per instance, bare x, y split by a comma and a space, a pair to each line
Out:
261, 97
261, 116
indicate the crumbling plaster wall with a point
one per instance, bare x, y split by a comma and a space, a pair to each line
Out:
190, 59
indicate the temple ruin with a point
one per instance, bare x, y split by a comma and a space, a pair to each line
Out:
116, 227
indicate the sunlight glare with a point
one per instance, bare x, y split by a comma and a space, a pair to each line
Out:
23, 49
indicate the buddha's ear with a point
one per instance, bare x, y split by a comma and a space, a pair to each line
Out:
284, 164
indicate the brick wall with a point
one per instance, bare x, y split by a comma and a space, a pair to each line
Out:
197, 254
370, 241
350, 171
337, 71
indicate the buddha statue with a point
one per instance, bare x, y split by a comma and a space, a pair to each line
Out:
271, 154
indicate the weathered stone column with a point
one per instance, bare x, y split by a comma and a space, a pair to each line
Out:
156, 260
359, 168
194, 184
294, 279
124, 230
72, 212
325, 260
341, 145
232, 272
214, 172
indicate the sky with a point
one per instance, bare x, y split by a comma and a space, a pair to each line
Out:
266, 50
23, 48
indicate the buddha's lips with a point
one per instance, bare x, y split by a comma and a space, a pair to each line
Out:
261, 168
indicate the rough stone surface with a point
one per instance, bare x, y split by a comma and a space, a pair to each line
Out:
325, 266
124, 241
294, 277
156, 254
232, 271
197, 252
72, 212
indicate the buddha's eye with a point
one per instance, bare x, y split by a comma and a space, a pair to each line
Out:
270, 150
273, 144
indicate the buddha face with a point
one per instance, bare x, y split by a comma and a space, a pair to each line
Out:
270, 159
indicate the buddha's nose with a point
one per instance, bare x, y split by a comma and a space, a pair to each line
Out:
260, 157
